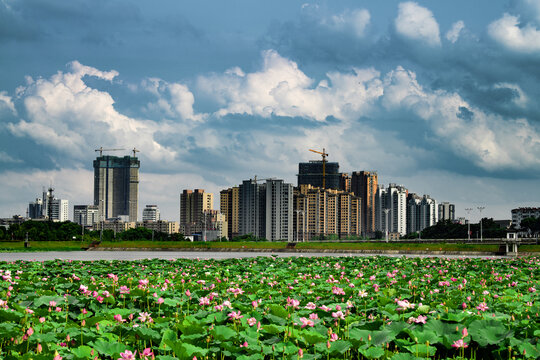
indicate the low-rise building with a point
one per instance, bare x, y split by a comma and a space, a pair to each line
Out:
523, 213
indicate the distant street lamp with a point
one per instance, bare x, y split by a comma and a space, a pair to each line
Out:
480, 208
468, 210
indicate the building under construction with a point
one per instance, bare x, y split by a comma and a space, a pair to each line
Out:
116, 185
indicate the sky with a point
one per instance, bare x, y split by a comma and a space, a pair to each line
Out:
436, 96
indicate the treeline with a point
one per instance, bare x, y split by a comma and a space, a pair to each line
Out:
446, 229
64, 231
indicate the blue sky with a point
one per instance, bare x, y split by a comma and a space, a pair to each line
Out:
437, 96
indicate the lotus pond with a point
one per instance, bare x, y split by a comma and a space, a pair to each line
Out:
271, 308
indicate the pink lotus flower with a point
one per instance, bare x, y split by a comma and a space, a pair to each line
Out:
245, 344
57, 357
333, 337
300, 353
127, 355
313, 316
307, 322
362, 293
146, 353
404, 305
30, 331
235, 315
204, 301
255, 304
464, 306
338, 291
52, 303
482, 306
532, 289
39, 348
160, 301
420, 319
188, 293
459, 344
310, 306
251, 321
124, 289
145, 317
292, 302
464, 333
118, 318
338, 315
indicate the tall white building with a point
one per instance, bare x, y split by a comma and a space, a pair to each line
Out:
279, 210
429, 212
59, 210
151, 213
380, 205
394, 199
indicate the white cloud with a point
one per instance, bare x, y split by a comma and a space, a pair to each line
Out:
507, 31
66, 114
488, 140
415, 22
7, 102
453, 34
282, 89
355, 21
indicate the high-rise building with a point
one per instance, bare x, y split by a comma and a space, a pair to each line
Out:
151, 213
193, 205
429, 212
447, 211
116, 186
311, 173
279, 210
251, 212
48, 207
413, 213
345, 182
35, 209
85, 215
323, 212
59, 210
229, 206
393, 199
364, 185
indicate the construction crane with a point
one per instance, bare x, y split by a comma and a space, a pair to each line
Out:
135, 151
101, 150
324, 155
256, 180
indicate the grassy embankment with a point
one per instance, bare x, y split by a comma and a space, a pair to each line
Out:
77, 245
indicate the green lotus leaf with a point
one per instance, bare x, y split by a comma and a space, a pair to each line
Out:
488, 332
422, 350
82, 352
372, 352
223, 333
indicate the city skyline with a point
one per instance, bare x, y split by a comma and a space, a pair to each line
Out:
436, 96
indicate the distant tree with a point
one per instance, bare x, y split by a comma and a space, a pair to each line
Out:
531, 224
378, 235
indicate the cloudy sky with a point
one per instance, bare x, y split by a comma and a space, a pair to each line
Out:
440, 97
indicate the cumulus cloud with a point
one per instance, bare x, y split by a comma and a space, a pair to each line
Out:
281, 88
453, 34
417, 23
355, 21
6, 102
63, 112
488, 140
173, 99
508, 32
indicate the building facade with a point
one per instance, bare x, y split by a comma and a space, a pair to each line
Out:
164, 226
151, 213
193, 205
229, 206
364, 184
325, 212
35, 209
311, 173
85, 215
116, 186
391, 206
522, 213
447, 211
251, 212
278, 210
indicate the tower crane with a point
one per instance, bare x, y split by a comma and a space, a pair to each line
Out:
135, 151
324, 155
101, 150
